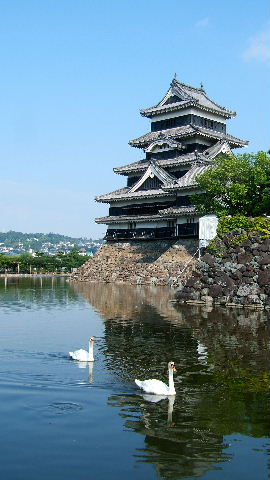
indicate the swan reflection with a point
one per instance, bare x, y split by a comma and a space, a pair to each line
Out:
90, 366
159, 398
172, 442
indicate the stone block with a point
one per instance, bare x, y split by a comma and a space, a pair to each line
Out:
264, 278
236, 275
224, 280
204, 291
265, 246
208, 259
191, 281
244, 258
265, 259
215, 291
247, 290
207, 299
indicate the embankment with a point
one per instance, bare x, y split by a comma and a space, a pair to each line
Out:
236, 274
166, 262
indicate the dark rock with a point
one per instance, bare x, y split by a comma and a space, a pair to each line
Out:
265, 259
265, 246
248, 280
205, 279
238, 249
248, 273
264, 278
192, 281
244, 258
236, 275
182, 295
224, 280
215, 291
247, 243
208, 259
244, 301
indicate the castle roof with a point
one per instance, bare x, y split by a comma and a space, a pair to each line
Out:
189, 179
181, 96
169, 184
154, 171
126, 194
184, 132
184, 159
166, 214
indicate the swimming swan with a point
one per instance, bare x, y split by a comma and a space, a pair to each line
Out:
83, 355
156, 386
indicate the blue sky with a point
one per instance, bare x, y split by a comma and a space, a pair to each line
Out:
74, 75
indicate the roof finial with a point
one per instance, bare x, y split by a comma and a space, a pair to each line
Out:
201, 85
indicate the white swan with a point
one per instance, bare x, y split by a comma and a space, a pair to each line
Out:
83, 355
156, 386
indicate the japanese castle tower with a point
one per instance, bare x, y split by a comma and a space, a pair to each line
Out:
188, 130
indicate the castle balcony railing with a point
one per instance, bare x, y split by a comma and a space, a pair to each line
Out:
179, 231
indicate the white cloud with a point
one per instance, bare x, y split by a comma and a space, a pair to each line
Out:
258, 48
203, 22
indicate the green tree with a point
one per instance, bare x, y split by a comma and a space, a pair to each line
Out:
235, 185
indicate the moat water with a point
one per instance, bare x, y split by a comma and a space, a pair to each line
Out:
62, 420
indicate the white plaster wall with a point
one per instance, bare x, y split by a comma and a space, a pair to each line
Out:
184, 219
192, 111
123, 226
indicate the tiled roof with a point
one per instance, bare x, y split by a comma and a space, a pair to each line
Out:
154, 171
220, 146
168, 213
125, 194
184, 132
142, 165
188, 96
189, 179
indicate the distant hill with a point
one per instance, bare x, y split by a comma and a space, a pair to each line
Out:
36, 241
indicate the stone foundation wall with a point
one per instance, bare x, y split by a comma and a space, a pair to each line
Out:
164, 262
240, 277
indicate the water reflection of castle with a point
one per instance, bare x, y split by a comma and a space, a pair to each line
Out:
143, 330
229, 333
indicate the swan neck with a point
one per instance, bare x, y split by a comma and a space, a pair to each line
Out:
91, 350
171, 382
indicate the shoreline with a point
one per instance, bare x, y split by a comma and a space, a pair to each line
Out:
30, 275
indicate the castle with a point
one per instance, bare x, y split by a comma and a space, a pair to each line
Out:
188, 130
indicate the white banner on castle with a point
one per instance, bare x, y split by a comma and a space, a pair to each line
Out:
207, 229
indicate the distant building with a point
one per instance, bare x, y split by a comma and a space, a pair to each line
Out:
188, 130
